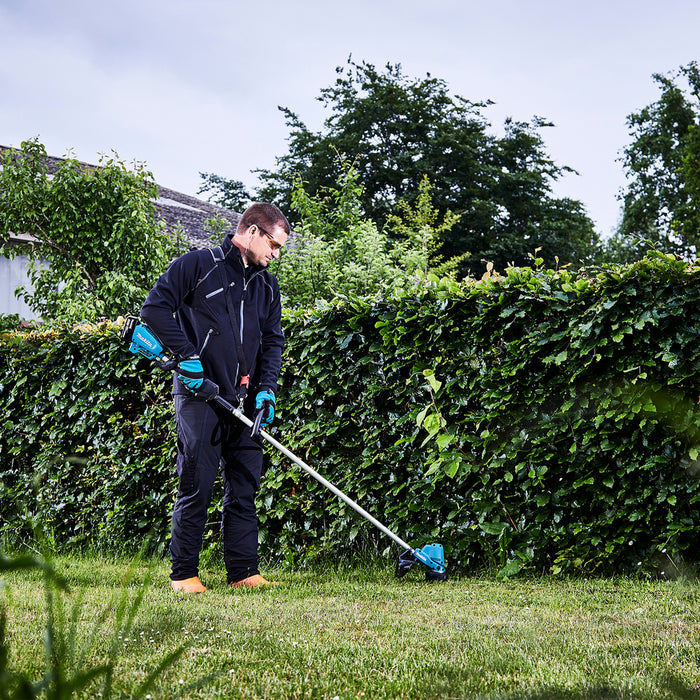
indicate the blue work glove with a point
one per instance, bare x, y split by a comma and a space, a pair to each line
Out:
191, 373
265, 404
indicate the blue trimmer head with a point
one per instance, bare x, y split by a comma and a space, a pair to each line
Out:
432, 555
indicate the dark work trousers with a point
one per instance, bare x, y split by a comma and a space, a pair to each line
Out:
210, 439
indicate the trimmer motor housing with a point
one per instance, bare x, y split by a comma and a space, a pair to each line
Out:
145, 343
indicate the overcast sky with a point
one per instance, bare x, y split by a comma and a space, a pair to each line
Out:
195, 86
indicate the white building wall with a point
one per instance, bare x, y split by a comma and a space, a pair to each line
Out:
13, 273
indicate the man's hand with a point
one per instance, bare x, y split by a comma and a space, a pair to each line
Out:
265, 406
191, 373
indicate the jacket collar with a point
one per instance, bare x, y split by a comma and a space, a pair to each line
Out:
233, 256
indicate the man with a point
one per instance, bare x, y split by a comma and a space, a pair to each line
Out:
218, 312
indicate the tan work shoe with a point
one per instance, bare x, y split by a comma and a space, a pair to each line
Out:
188, 585
254, 581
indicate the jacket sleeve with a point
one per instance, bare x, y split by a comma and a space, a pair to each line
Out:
271, 345
166, 297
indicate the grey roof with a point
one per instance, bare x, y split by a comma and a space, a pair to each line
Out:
176, 208
191, 213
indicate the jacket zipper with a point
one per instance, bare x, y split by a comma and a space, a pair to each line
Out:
241, 314
243, 298
210, 333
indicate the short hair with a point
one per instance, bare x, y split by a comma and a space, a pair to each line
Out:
264, 215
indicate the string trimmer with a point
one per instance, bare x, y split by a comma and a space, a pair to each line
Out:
143, 341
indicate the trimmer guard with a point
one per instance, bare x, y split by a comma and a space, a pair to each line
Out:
431, 555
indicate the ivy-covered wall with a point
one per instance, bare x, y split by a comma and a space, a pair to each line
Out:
539, 419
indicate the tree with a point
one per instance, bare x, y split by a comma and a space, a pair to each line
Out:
336, 251
230, 194
97, 243
662, 200
689, 172
524, 214
418, 229
398, 130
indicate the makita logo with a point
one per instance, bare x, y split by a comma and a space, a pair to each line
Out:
148, 342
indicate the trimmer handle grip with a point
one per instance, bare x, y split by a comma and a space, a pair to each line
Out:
208, 391
143, 341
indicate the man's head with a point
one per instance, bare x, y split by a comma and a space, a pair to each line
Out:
262, 231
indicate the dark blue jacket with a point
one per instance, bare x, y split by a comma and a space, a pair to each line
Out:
186, 310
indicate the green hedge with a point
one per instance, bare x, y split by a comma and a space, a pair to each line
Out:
86, 446
541, 419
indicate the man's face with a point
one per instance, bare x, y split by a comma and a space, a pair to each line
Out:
260, 246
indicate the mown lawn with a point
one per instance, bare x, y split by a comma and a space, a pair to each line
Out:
364, 634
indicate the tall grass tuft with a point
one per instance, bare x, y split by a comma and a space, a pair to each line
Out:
70, 663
